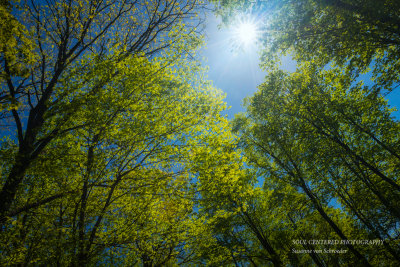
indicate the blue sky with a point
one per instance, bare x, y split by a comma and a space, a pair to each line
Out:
237, 73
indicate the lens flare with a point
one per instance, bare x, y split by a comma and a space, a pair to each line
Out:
247, 33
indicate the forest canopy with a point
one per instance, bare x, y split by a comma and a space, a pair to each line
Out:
115, 150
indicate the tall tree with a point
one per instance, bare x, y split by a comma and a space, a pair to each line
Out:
62, 34
331, 140
122, 189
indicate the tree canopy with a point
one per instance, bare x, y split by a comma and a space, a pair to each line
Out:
362, 35
115, 150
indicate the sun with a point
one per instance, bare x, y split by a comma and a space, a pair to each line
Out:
246, 32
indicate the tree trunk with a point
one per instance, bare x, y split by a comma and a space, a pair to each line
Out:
13, 181
332, 223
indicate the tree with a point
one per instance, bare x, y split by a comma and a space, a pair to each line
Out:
331, 140
63, 34
358, 35
321, 134
121, 186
